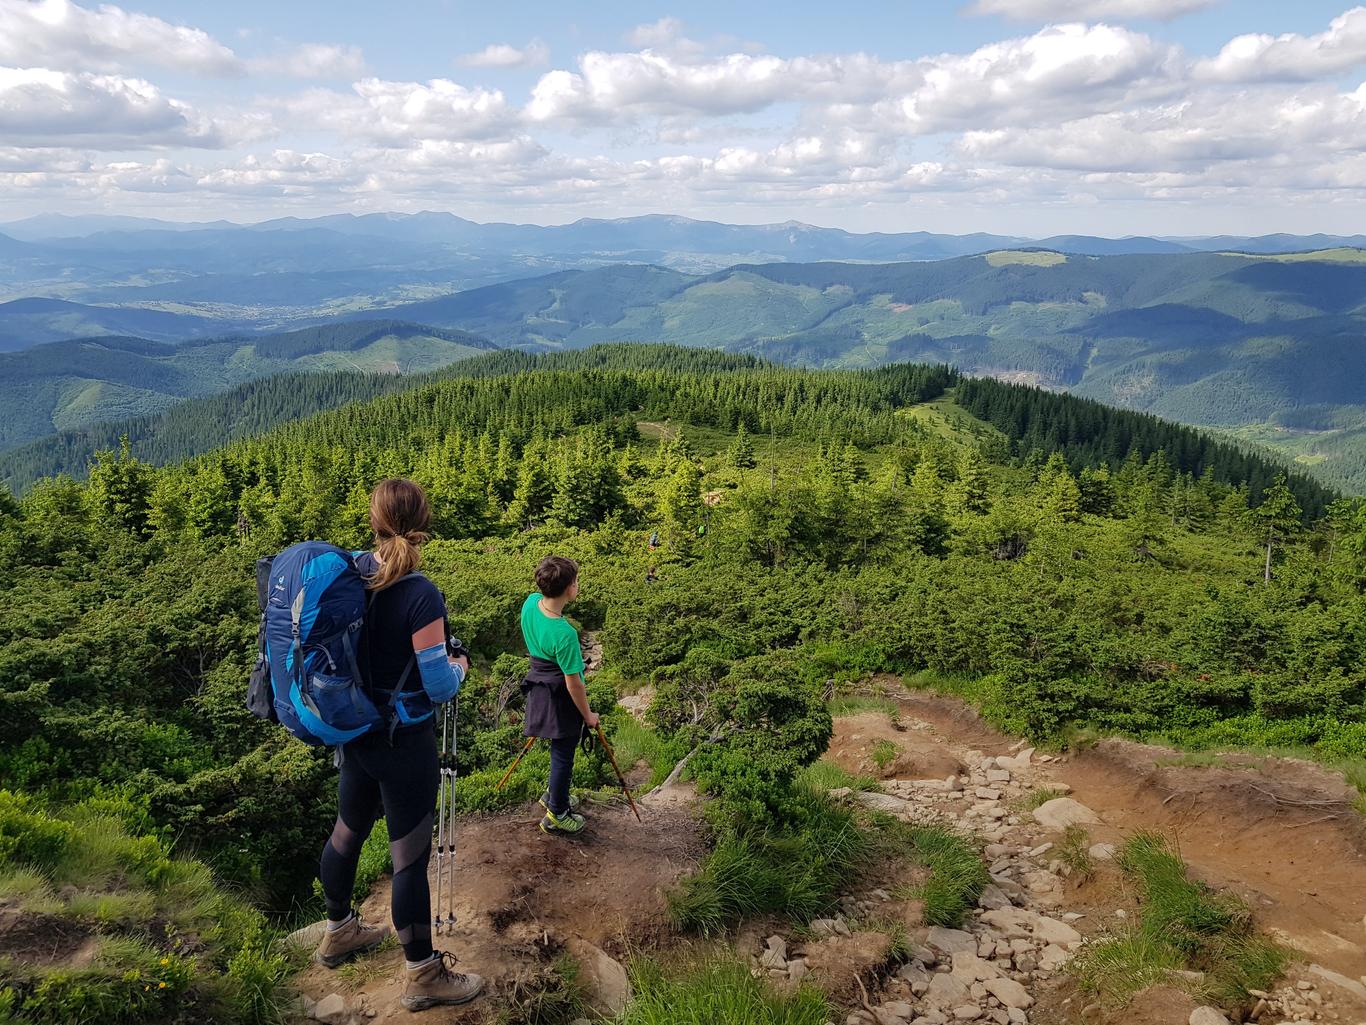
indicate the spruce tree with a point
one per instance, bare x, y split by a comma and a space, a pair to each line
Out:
741, 453
1278, 517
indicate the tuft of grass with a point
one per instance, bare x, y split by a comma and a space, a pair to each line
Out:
715, 988
1184, 925
28, 888
842, 705
1035, 799
369, 967
883, 754
1075, 852
634, 742
555, 997
122, 909
1117, 968
794, 871
957, 876
824, 775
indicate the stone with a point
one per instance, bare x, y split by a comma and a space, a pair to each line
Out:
967, 1012
988, 794
1052, 957
951, 941
606, 986
303, 1005
771, 958
1050, 930
1062, 812
997, 850
777, 945
945, 992
969, 968
331, 1009
308, 937
1018, 1016
839, 793
883, 802
1357, 989
898, 1008
1208, 1016
998, 775
1009, 992
1102, 852
797, 970
993, 898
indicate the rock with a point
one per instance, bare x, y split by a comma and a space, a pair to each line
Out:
1052, 958
993, 898
946, 992
797, 970
951, 941
331, 1009
987, 794
606, 986
969, 968
302, 1005
1050, 930
1009, 992
997, 850
1062, 812
308, 937
777, 945
883, 802
1208, 1016
1018, 1016
967, 1012
771, 958
1102, 852
838, 793
1357, 989
898, 1008
998, 775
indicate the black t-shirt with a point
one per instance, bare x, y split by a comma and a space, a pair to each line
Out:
394, 615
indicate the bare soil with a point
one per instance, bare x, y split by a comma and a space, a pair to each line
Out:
37, 939
521, 896
918, 756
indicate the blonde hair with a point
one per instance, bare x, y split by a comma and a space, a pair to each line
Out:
401, 518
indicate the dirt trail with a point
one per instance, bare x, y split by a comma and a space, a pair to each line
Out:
1279, 832
522, 898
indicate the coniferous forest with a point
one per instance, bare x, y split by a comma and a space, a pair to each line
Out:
1064, 566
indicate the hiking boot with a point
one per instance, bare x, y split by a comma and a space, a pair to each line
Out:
353, 938
432, 984
544, 800
569, 823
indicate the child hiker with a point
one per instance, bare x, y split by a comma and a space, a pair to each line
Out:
556, 701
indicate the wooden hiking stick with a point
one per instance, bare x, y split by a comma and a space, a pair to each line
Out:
518, 761
602, 738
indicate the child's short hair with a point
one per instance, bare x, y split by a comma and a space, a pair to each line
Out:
554, 574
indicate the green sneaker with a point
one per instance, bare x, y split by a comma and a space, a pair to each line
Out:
544, 800
569, 823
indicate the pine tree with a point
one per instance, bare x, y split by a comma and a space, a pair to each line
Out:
926, 526
1097, 491
971, 492
741, 453
1278, 517
120, 489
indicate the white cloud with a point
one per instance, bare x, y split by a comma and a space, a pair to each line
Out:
1291, 57
314, 60
403, 112
60, 34
501, 55
657, 34
39, 107
1088, 10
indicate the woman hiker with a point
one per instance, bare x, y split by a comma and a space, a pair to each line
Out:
405, 629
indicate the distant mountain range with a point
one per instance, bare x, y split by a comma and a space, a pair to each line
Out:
71, 384
292, 272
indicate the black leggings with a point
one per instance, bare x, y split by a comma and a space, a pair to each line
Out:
402, 781
561, 772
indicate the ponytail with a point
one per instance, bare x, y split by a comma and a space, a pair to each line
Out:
400, 518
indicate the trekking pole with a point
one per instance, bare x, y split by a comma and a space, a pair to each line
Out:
602, 738
513, 767
442, 826
452, 770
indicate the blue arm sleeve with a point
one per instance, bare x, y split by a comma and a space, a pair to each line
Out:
440, 679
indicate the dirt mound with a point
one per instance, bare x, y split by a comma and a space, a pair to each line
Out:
37, 939
870, 744
522, 897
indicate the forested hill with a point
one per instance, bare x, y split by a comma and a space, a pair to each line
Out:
812, 526
84, 381
1089, 434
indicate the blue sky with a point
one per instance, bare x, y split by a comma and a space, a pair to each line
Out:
1024, 116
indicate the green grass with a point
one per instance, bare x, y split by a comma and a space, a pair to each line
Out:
827, 775
1036, 798
843, 705
634, 742
957, 876
794, 871
1005, 258
1075, 852
369, 967
883, 754
1183, 925
554, 997
715, 988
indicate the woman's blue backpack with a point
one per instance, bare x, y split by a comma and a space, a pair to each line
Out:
307, 676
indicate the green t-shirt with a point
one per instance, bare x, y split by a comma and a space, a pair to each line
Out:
551, 639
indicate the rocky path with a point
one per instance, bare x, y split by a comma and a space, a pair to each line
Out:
1009, 964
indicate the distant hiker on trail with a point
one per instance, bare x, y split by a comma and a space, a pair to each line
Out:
405, 629
556, 700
